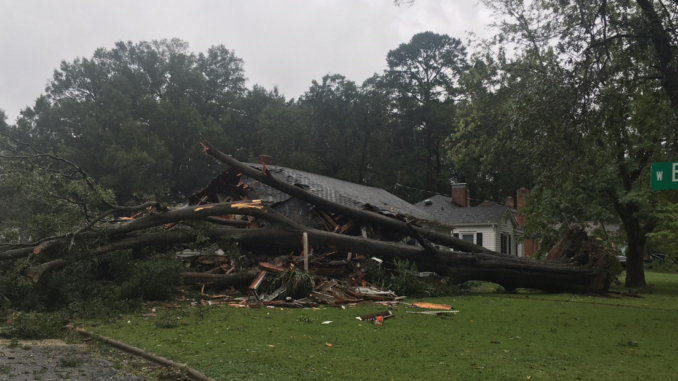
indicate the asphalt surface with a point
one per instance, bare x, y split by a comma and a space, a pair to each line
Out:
54, 360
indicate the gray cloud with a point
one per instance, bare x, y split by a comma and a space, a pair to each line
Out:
284, 43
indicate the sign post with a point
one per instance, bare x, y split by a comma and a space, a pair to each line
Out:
664, 176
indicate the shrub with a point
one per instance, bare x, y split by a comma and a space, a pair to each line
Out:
36, 326
152, 279
298, 283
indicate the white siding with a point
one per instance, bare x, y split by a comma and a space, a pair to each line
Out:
489, 240
507, 226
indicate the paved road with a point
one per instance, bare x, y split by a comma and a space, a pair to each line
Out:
54, 360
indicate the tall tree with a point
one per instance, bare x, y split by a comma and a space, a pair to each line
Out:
589, 109
492, 170
131, 115
423, 74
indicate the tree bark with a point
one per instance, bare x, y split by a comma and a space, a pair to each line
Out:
664, 49
636, 239
509, 271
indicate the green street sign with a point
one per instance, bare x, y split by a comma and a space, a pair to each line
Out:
664, 176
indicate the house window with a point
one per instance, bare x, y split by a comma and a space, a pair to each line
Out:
505, 243
479, 239
455, 235
467, 237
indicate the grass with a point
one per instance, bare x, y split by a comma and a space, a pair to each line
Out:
521, 336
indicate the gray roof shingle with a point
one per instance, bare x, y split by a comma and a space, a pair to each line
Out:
342, 192
445, 211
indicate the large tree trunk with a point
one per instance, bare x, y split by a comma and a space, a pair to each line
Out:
282, 234
636, 239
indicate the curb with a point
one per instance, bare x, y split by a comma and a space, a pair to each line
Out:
192, 373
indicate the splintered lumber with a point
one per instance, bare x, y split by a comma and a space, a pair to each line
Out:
384, 314
372, 296
258, 280
453, 312
431, 306
271, 267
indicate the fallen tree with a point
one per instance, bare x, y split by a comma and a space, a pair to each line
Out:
260, 230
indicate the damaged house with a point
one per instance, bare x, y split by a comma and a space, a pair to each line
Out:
229, 186
491, 225
279, 216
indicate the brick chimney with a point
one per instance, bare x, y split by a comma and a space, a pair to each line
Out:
264, 159
509, 202
461, 195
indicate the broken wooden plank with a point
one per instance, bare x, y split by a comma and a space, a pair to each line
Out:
431, 306
271, 267
453, 312
258, 280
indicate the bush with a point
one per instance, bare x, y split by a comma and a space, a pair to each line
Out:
668, 266
298, 283
36, 326
152, 279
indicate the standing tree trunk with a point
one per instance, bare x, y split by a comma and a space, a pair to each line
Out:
636, 239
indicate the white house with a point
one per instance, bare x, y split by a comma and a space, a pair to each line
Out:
490, 225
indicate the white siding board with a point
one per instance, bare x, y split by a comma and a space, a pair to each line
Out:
489, 240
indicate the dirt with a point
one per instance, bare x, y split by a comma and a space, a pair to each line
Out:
54, 360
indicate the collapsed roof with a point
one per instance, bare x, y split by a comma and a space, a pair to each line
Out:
342, 192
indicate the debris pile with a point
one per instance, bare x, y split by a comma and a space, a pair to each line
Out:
289, 236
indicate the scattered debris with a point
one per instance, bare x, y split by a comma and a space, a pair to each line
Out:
431, 306
382, 315
453, 312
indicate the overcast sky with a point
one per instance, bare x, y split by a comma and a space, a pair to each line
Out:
285, 43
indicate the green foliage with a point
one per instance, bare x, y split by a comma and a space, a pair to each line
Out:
585, 132
404, 280
422, 76
30, 325
298, 283
304, 319
167, 320
664, 239
152, 279
669, 266
132, 115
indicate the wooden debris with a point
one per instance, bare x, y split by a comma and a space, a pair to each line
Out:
383, 314
271, 267
453, 312
431, 306
258, 280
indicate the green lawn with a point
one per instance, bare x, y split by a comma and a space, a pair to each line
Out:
541, 337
